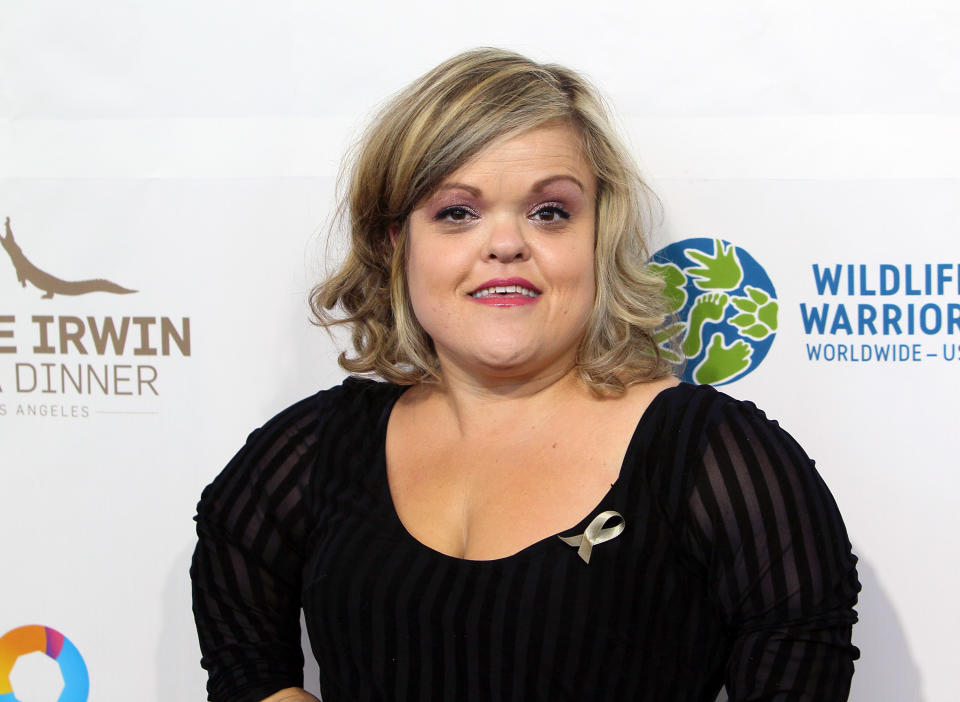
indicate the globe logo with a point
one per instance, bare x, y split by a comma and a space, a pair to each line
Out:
20, 645
723, 309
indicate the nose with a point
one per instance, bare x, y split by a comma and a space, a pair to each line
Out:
506, 242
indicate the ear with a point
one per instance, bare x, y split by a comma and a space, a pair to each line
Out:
393, 231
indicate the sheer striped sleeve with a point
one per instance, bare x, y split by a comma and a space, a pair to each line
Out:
778, 563
252, 524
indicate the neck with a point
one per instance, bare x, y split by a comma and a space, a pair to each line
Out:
481, 405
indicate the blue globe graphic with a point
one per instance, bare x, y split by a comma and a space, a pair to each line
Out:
724, 309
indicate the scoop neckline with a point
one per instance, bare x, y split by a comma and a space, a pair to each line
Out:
537, 546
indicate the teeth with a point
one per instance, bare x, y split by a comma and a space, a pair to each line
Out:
504, 290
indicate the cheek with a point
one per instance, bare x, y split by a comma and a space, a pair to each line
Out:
587, 293
576, 269
579, 289
426, 266
418, 288
429, 283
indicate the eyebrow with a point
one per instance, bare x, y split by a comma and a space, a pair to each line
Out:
541, 184
476, 192
538, 186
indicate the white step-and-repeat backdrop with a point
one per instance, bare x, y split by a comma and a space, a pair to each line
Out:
182, 156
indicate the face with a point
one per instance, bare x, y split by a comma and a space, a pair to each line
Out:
500, 258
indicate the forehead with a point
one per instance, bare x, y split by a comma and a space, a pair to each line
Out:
541, 152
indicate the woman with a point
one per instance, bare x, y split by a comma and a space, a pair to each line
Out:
531, 507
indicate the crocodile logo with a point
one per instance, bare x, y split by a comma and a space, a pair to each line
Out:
724, 309
50, 284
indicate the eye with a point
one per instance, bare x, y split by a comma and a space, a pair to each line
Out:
550, 213
456, 213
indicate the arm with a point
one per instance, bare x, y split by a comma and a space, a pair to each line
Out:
777, 561
251, 527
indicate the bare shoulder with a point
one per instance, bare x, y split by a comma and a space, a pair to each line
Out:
291, 694
652, 388
635, 400
417, 406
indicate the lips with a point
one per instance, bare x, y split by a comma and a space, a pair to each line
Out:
506, 287
506, 292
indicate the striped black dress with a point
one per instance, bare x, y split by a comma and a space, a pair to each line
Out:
733, 568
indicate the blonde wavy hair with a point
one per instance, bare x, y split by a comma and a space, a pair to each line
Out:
424, 134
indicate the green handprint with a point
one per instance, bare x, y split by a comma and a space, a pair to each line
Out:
768, 315
721, 271
722, 362
662, 338
675, 280
705, 307
758, 314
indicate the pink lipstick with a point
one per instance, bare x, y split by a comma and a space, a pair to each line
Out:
506, 292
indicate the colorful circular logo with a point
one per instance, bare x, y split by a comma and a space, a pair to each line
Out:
29, 639
724, 306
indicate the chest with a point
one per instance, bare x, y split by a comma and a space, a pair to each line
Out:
490, 496
390, 618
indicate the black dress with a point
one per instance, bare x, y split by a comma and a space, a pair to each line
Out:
733, 568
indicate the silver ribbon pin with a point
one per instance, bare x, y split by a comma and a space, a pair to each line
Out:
595, 534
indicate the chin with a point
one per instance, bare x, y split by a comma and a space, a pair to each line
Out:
501, 361
520, 365
506, 362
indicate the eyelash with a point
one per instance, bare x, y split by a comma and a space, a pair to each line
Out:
553, 207
447, 211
